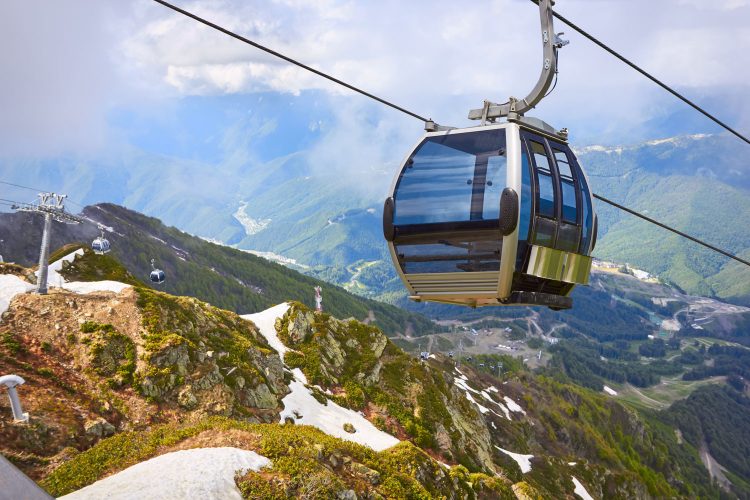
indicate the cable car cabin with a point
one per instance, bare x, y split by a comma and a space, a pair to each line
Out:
492, 215
157, 276
100, 246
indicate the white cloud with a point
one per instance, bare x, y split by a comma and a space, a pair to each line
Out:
445, 57
66, 66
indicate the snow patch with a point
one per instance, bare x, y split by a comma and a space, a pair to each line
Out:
95, 286
266, 321
53, 270
523, 461
610, 391
513, 406
10, 286
580, 490
331, 418
504, 410
482, 409
187, 474
299, 375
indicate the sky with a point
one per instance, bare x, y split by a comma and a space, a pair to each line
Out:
92, 78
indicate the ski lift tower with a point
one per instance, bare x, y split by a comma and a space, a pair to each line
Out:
52, 206
318, 299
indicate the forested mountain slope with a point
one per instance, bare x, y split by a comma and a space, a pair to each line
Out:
229, 278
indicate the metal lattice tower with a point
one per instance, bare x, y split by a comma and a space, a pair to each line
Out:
52, 207
318, 299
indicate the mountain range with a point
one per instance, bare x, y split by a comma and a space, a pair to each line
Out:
327, 221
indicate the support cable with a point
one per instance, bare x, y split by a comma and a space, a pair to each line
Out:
289, 59
403, 110
647, 75
669, 228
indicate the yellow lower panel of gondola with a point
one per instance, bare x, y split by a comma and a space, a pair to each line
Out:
552, 264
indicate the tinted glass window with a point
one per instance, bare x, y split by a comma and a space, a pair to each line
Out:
546, 195
497, 170
452, 254
569, 212
525, 216
544, 234
450, 178
587, 212
546, 200
563, 166
568, 201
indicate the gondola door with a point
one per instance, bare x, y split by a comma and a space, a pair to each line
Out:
555, 240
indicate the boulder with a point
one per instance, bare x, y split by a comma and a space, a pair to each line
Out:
98, 428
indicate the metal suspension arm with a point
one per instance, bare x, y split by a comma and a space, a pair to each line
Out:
514, 107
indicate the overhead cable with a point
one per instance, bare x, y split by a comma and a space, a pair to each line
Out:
382, 101
669, 228
22, 187
289, 59
648, 75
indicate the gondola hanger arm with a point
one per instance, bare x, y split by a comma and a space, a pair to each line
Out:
514, 108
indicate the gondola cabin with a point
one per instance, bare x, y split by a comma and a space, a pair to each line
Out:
100, 245
500, 214
157, 276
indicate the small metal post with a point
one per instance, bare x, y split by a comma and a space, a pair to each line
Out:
11, 381
41, 282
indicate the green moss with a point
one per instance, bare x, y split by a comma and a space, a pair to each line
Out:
11, 343
93, 267
112, 354
412, 394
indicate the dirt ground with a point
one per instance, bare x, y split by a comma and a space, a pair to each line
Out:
40, 341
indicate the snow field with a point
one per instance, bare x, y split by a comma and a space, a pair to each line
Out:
54, 278
11, 285
462, 382
200, 473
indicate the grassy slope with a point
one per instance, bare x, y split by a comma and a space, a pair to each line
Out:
301, 455
692, 205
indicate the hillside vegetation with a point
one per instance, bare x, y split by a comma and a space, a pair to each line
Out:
113, 379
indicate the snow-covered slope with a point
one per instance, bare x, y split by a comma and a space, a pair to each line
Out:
330, 418
200, 473
265, 321
302, 406
581, 490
